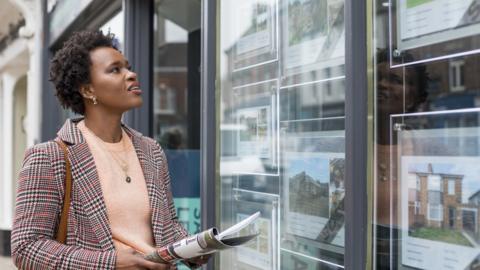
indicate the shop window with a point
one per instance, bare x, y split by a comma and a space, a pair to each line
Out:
176, 101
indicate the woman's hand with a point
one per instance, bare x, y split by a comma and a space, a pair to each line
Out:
130, 259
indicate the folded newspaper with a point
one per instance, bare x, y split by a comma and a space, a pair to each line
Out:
206, 242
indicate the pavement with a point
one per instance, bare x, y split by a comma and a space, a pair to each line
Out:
6, 263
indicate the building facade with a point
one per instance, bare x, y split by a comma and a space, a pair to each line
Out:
20, 117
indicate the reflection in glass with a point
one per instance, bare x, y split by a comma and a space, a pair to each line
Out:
176, 102
170, 84
426, 134
115, 27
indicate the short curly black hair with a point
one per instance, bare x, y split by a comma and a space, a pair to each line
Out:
70, 67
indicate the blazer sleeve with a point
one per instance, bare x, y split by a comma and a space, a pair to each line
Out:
37, 209
178, 231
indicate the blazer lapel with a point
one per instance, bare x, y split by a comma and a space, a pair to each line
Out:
90, 193
87, 184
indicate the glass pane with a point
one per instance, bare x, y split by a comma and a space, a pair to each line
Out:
427, 143
176, 103
281, 131
115, 26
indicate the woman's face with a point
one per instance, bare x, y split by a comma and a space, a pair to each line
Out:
112, 82
393, 96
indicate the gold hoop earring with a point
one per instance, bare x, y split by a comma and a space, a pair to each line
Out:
94, 100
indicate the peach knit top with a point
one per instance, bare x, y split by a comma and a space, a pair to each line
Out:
128, 207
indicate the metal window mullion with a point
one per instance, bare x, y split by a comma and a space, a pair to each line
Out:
356, 134
208, 116
139, 52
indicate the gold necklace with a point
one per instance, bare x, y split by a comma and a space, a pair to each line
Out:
123, 164
120, 162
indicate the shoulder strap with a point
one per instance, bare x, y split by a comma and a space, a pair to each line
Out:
62, 227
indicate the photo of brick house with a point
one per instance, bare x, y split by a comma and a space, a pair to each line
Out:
436, 210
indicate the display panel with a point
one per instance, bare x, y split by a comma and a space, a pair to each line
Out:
434, 29
256, 118
313, 40
262, 252
437, 190
440, 212
256, 29
313, 193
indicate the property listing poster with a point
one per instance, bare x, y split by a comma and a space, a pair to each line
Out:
313, 32
261, 253
440, 212
256, 29
255, 136
439, 193
427, 21
254, 25
258, 252
314, 189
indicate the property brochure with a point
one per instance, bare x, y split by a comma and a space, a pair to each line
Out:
206, 242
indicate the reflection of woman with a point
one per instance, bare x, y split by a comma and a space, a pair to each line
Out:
121, 204
399, 91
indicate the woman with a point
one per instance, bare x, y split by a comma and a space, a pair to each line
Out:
121, 204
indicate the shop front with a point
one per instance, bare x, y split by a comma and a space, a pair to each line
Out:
351, 126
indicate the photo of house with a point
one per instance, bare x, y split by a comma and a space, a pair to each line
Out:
436, 210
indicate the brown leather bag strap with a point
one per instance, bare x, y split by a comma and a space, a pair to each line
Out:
62, 227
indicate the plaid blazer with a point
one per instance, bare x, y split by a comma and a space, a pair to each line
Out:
89, 243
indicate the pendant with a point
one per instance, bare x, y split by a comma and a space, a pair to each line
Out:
128, 179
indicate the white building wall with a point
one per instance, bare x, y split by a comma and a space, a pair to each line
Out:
31, 32
2, 148
20, 58
8, 80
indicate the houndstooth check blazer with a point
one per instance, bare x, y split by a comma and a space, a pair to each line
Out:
89, 243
